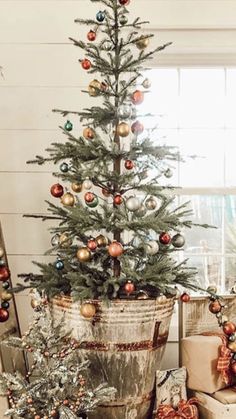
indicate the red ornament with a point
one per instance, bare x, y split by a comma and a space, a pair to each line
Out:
118, 200
86, 64
233, 367
115, 249
92, 245
89, 197
164, 238
215, 307
105, 192
4, 274
185, 297
137, 97
4, 315
129, 164
91, 36
229, 328
137, 128
129, 287
57, 190
124, 2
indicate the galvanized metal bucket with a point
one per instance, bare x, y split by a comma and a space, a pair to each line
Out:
125, 343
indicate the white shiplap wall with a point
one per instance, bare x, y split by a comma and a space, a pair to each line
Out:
41, 71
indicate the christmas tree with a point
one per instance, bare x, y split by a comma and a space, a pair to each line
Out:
55, 385
117, 226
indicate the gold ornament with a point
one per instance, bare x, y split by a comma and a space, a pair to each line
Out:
94, 88
88, 310
232, 346
65, 240
76, 187
123, 129
151, 203
35, 303
101, 240
161, 299
142, 43
6, 296
68, 199
84, 254
1, 252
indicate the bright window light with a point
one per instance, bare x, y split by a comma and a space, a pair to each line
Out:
195, 110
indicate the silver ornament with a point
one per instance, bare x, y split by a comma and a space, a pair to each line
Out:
146, 83
151, 203
125, 111
178, 240
1, 252
141, 212
107, 46
232, 337
55, 240
133, 204
152, 247
168, 173
87, 184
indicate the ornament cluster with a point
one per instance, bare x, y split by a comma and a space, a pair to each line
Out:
5, 285
218, 306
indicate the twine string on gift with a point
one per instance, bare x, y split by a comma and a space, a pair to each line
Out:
223, 363
186, 409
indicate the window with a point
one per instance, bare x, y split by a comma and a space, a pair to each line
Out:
195, 110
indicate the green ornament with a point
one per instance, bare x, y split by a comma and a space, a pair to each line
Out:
123, 20
68, 126
6, 285
64, 168
93, 204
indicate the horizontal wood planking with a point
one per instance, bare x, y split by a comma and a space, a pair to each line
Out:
31, 107
50, 21
57, 65
25, 236
20, 146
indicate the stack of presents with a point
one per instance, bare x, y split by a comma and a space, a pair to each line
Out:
204, 387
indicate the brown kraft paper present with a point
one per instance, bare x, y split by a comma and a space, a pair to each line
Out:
200, 356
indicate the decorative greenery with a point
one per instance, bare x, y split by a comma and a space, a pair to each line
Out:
55, 385
118, 59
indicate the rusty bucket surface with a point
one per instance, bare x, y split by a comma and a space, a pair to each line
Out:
125, 343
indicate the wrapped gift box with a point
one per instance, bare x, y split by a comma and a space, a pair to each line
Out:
226, 396
200, 356
210, 408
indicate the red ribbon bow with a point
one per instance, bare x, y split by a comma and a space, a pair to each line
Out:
185, 409
223, 364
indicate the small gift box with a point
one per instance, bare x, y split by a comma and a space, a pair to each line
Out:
210, 408
171, 386
226, 396
185, 409
207, 361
